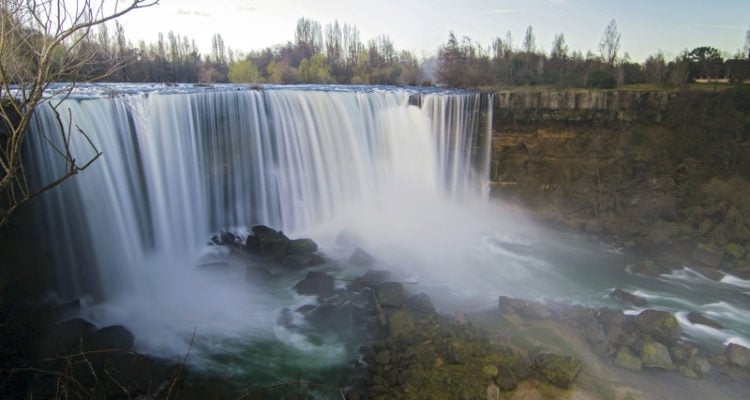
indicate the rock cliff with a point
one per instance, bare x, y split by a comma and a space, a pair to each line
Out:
660, 168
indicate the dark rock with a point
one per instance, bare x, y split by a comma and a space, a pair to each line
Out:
115, 337
61, 338
646, 268
420, 303
390, 294
361, 258
660, 325
708, 254
738, 355
655, 355
267, 242
629, 298
302, 246
700, 319
300, 261
224, 238
375, 276
315, 284
561, 371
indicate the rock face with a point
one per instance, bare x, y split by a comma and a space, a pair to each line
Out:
612, 162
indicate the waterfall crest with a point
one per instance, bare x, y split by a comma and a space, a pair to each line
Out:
177, 167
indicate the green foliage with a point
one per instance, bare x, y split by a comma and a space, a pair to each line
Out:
244, 71
315, 70
601, 79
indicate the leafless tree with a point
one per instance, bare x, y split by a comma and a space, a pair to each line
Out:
42, 42
610, 44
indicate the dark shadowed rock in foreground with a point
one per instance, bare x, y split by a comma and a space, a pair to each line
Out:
361, 258
315, 284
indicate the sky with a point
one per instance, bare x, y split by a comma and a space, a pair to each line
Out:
421, 26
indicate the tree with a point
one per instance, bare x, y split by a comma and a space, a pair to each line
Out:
529, 41
705, 62
610, 44
559, 48
244, 71
315, 70
44, 41
655, 69
747, 43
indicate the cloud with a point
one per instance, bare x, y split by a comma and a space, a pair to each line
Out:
194, 13
249, 9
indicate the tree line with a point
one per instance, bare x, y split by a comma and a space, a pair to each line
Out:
463, 63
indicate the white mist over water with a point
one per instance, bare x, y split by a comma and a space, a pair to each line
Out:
180, 165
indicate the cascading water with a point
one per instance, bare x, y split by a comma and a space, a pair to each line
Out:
406, 171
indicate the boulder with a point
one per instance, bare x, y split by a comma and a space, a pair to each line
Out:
628, 298
62, 337
390, 294
628, 360
738, 355
302, 246
420, 303
267, 242
655, 355
510, 305
700, 365
315, 284
700, 319
375, 276
660, 325
115, 337
361, 258
559, 370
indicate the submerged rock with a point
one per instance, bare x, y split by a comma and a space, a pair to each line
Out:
700, 319
628, 298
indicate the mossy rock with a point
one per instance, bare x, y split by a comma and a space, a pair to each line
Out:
656, 355
626, 359
660, 325
560, 371
401, 324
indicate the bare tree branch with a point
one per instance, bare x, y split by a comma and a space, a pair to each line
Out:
41, 42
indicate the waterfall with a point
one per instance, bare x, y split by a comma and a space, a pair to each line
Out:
180, 165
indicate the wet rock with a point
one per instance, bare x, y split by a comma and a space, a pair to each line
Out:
267, 242
682, 352
735, 251
626, 359
536, 311
62, 337
738, 355
300, 261
315, 284
361, 258
420, 303
510, 305
646, 268
708, 254
375, 276
660, 325
700, 319
225, 238
628, 298
687, 372
383, 357
390, 294
655, 355
559, 370
302, 246
115, 337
